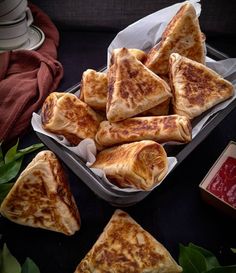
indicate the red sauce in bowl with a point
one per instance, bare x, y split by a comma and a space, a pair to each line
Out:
223, 184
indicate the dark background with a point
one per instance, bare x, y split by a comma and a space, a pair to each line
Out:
174, 212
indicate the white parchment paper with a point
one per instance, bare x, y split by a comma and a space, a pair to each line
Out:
144, 34
86, 149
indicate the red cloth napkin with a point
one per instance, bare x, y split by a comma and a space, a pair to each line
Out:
26, 78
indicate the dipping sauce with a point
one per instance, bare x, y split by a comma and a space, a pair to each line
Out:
223, 184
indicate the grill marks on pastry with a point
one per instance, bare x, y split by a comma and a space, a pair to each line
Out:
93, 89
124, 246
196, 88
182, 35
200, 84
69, 117
41, 197
139, 165
132, 87
160, 128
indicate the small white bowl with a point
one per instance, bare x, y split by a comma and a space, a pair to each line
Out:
218, 188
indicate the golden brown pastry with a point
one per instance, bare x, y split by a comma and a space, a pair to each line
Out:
64, 114
125, 247
182, 35
196, 88
161, 109
132, 88
139, 165
93, 90
41, 197
139, 54
160, 128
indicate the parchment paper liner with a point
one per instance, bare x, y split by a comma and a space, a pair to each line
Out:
143, 34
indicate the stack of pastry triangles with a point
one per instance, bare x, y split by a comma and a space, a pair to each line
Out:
179, 58
170, 81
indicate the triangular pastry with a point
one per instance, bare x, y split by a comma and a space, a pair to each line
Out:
182, 35
41, 197
196, 88
139, 54
125, 247
65, 114
132, 88
93, 90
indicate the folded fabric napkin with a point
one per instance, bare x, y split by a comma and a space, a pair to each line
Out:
26, 78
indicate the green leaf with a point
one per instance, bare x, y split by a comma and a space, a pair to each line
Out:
13, 154
29, 267
28, 150
211, 260
10, 170
222, 269
233, 249
13, 161
187, 265
10, 155
9, 263
191, 260
4, 189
